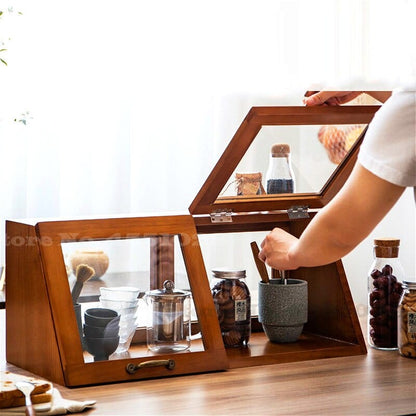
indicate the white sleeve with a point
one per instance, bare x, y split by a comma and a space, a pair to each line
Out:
389, 147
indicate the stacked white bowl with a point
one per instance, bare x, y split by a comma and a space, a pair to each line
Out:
122, 299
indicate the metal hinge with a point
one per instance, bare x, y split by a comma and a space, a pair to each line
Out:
298, 211
221, 216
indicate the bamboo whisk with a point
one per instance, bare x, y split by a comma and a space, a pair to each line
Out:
83, 273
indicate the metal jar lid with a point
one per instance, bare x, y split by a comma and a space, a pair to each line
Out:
168, 293
228, 273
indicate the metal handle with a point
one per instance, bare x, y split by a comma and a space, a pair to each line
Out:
132, 368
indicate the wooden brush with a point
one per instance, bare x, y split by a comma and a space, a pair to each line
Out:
261, 267
83, 273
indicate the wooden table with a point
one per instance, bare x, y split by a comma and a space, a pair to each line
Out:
380, 383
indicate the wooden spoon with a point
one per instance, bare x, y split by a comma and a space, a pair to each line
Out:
261, 267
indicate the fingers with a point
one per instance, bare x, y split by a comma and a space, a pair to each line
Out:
309, 93
275, 250
268, 246
332, 98
262, 255
320, 98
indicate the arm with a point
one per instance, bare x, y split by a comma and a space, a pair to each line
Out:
360, 205
381, 96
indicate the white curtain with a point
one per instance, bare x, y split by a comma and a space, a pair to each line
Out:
128, 104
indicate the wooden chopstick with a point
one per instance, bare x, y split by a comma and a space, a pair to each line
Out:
261, 267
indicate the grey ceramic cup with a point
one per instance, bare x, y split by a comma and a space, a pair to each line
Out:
100, 316
101, 348
283, 309
111, 330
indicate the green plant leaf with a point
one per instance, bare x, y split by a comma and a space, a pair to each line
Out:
3, 61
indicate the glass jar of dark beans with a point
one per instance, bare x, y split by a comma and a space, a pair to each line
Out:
232, 303
384, 293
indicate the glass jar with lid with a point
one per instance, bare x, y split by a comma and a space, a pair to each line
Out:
406, 320
384, 292
233, 305
279, 176
170, 325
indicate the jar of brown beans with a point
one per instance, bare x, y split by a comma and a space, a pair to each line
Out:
232, 303
406, 321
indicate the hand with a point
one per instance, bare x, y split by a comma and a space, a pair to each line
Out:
275, 250
329, 98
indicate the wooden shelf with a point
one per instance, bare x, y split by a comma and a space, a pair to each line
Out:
261, 351
140, 350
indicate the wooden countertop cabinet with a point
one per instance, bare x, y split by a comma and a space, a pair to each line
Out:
39, 306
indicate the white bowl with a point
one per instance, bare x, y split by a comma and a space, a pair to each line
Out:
121, 293
125, 342
125, 313
118, 304
127, 329
128, 315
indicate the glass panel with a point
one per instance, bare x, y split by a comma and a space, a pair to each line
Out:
232, 250
118, 315
315, 152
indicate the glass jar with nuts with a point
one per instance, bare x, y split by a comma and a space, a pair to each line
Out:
406, 321
232, 303
384, 292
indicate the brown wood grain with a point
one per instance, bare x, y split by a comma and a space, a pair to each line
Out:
162, 260
31, 340
380, 383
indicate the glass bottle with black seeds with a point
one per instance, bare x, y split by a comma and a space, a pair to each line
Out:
384, 293
233, 306
279, 176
